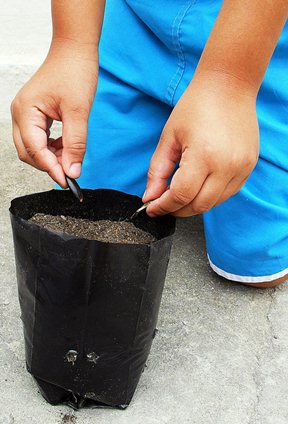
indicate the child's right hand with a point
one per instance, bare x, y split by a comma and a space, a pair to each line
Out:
62, 89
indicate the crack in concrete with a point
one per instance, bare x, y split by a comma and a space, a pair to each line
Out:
261, 359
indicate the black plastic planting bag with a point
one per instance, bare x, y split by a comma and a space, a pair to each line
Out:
89, 308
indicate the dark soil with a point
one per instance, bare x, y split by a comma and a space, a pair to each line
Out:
107, 231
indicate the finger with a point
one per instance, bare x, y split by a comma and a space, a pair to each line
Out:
185, 185
34, 138
57, 147
162, 165
56, 143
74, 142
49, 125
197, 206
50, 145
207, 197
21, 150
233, 187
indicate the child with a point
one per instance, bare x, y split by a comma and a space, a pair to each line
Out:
195, 69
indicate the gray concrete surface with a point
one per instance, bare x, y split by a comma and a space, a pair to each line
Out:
220, 356
25, 32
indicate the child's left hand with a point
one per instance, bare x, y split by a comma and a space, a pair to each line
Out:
213, 132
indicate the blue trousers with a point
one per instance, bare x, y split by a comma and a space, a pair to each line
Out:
148, 53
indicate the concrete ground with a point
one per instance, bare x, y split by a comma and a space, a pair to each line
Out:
220, 356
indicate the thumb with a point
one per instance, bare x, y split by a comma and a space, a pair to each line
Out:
74, 142
162, 165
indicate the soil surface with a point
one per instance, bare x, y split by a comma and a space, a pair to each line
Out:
107, 231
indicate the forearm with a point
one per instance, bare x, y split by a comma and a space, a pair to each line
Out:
78, 24
243, 40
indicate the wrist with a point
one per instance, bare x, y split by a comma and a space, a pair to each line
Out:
225, 82
65, 47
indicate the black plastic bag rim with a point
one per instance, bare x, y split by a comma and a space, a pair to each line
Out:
66, 236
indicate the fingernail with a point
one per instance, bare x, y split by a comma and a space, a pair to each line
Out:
143, 197
147, 192
75, 170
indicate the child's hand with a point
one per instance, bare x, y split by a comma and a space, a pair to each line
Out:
213, 132
63, 90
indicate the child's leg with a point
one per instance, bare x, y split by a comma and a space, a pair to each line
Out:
247, 236
148, 59
129, 110
124, 128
